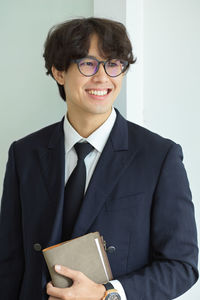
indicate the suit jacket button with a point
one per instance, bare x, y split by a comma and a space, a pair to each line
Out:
37, 247
111, 249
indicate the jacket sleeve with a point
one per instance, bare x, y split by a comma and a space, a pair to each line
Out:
11, 244
173, 267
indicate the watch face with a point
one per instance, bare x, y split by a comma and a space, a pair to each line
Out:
113, 296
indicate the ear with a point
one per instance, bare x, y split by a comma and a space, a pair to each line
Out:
58, 75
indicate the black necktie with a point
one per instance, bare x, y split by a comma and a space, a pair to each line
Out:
74, 190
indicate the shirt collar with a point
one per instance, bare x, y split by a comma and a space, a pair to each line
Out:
97, 139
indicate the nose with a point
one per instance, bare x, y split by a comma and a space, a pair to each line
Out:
101, 74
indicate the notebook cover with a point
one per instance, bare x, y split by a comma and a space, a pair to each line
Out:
80, 254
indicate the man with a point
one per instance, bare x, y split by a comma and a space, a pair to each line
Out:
136, 192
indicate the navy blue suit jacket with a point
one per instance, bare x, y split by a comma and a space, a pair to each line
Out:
138, 199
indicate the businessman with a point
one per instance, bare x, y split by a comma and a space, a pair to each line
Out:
95, 171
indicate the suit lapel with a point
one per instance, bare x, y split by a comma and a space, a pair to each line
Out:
52, 162
115, 157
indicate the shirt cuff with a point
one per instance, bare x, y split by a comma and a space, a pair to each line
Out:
118, 286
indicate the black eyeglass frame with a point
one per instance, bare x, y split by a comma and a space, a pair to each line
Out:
77, 61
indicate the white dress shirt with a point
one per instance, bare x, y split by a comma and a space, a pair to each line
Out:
98, 140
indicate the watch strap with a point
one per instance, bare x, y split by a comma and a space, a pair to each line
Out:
108, 286
110, 290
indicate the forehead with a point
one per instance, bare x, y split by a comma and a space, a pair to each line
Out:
94, 48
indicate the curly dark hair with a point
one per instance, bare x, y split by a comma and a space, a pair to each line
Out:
71, 40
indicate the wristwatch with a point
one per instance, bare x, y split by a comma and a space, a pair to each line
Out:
111, 293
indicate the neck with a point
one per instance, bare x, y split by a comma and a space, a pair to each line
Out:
86, 125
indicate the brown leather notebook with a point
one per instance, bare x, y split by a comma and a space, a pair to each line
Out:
85, 254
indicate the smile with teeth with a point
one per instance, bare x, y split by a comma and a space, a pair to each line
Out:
98, 92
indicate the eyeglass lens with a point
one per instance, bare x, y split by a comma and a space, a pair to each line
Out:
89, 67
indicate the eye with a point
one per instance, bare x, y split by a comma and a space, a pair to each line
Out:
86, 63
112, 64
89, 63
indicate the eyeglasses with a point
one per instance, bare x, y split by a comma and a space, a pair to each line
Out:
88, 66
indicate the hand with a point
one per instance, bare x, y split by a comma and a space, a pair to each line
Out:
82, 289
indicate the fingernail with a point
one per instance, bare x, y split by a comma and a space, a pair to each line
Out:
57, 267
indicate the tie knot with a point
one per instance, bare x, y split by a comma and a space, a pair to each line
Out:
83, 149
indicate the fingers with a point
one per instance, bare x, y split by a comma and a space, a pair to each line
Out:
82, 287
53, 292
63, 293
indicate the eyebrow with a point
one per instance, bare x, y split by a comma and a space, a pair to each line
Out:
93, 57
90, 56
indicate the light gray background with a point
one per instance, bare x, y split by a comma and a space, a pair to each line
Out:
161, 92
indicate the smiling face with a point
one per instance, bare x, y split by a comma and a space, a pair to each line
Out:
89, 97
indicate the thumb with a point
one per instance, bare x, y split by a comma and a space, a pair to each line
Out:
66, 271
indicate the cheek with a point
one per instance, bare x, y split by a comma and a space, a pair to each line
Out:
77, 83
74, 89
117, 83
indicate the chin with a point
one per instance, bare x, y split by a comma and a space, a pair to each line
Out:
100, 110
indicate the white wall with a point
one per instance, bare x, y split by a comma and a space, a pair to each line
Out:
163, 89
